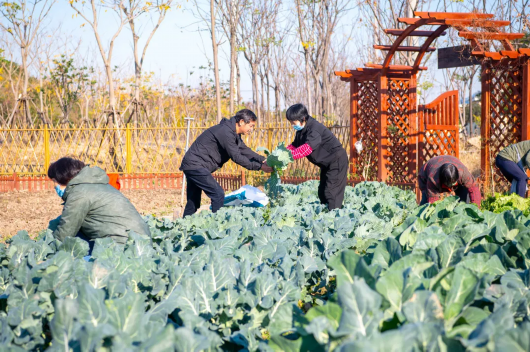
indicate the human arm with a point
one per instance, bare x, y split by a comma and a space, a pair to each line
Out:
474, 195
300, 152
249, 153
74, 213
468, 181
228, 143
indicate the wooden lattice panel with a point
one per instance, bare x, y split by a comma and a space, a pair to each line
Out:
438, 123
506, 111
398, 130
367, 131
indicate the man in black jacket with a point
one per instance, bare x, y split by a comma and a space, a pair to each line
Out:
210, 151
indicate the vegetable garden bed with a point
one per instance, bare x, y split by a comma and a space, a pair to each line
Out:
381, 274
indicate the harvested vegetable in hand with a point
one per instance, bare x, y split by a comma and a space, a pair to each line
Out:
279, 159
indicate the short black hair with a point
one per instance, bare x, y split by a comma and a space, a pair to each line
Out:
65, 169
297, 112
448, 174
246, 115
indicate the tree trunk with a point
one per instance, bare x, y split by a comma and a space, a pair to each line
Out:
268, 96
471, 127
308, 84
238, 85
215, 62
26, 117
137, 79
262, 99
277, 100
255, 92
233, 54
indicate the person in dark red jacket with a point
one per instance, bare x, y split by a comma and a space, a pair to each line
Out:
446, 173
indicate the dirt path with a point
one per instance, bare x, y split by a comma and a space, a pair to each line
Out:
33, 211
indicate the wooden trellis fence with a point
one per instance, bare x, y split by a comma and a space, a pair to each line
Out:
398, 136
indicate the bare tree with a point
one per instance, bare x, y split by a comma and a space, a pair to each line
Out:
90, 13
132, 11
231, 19
23, 20
209, 17
317, 21
257, 17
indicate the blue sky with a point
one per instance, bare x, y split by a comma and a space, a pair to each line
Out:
180, 44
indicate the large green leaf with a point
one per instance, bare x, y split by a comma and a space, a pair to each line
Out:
462, 292
126, 314
360, 309
347, 264
63, 326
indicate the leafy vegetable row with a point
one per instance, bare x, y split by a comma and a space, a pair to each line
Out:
379, 274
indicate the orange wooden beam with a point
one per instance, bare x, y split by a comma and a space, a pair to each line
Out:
398, 32
403, 48
477, 23
493, 55
490, 35
395, 67
408, 20
343, 74
453, 15
524, 51
510, 54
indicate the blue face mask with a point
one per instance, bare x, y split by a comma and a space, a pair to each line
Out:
298, 127
59, 191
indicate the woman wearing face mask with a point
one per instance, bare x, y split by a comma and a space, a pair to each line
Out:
92, 207
316, 142
444, 174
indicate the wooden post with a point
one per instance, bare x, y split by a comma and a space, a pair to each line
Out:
269, 139
382, 147
15, 181
485, 161
413, 147
243, 181
525, 121
128, 149
456, 122
46, 148
354, 112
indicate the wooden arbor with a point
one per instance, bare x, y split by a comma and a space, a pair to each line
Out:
398, 136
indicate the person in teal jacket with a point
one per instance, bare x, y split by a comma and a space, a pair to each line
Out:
92, 208
513, 161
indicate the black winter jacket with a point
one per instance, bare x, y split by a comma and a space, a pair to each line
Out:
218, 144
326, 147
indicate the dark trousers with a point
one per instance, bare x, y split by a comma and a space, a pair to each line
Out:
512, 171
333, 180
198, 181
460, 191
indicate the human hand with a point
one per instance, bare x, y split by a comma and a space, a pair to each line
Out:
266, 168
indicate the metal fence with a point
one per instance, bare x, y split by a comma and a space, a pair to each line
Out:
136, 153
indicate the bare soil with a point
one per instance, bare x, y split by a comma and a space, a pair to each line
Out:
32, 211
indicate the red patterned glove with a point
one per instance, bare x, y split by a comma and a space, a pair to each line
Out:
300, 152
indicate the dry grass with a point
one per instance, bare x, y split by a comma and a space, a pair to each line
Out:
470, 155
